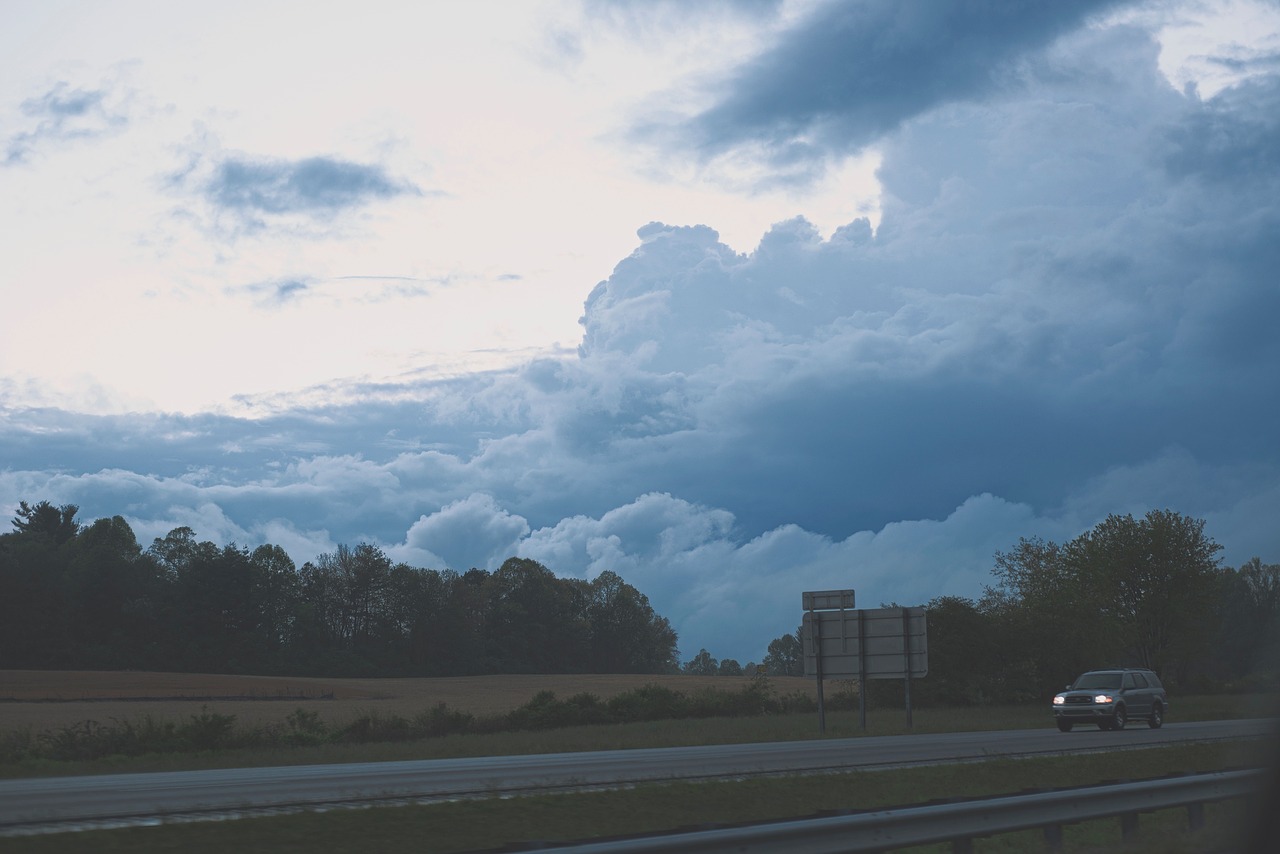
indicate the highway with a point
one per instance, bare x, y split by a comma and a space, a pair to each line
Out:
49, 803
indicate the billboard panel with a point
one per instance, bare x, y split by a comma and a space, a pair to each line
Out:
872, 642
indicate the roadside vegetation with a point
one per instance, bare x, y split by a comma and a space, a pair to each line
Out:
648, 716
209, 731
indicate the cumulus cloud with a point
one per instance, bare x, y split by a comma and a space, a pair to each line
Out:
67, 114
471, 532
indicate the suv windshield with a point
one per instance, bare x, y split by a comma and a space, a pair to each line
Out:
1098, 680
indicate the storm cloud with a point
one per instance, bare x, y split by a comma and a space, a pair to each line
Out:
852, 72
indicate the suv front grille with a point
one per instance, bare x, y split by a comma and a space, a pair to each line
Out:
1078, 701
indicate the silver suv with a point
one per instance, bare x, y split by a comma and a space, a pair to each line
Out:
1111, 698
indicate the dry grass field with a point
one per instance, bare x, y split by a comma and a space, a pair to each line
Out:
50, 699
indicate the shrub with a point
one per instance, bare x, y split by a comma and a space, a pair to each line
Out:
544, 711
305, 728
375, 727
648, 703
442, 720
207, 730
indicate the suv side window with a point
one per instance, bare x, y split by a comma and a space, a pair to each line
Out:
1139, 680
1128, 681
1154, 680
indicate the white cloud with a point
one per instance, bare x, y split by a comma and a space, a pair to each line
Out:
470, 532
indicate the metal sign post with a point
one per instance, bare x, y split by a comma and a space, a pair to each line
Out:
822, 710
906, 646
816, 603
862, 675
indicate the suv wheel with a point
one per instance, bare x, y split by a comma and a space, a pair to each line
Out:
1157, 717
1119, 718
1064, 726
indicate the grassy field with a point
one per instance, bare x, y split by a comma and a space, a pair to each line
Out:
54, 698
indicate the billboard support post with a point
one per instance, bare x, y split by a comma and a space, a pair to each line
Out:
817, 640
815, 602
906, 645
862, 675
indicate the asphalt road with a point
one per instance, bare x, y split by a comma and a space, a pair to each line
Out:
49, 802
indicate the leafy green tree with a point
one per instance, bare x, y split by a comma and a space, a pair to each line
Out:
276, 592
730, 667
114, 595
1155, 577
537, 623
785, 655
702, 664
626, 635
55, 524
1128, 591
36, 626
1056, 614
1247, 640
363, 577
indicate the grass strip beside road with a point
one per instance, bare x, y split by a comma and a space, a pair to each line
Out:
497, 822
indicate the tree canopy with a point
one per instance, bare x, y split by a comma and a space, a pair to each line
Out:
75, 596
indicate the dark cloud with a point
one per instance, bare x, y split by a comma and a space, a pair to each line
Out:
1233, 137
65, 114
852, 72
316, 186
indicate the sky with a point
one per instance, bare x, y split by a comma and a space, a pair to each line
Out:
735, 299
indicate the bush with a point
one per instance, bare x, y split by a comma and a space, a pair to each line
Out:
305, 729
544, 711
442, 720
375, 727
648, 703
207, 730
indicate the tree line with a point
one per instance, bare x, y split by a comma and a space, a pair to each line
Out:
78, 596
1144, 592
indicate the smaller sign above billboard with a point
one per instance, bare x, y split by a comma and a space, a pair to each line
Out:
827, 600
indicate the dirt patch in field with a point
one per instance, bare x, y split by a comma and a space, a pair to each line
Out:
44, 699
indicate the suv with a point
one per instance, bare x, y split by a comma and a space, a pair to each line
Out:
1111, 698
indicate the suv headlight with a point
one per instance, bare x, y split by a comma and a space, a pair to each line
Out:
1059, 700
1103, 698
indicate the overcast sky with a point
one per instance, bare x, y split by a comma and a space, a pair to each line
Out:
736, 300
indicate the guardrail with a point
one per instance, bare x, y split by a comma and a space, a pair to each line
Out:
958, 823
